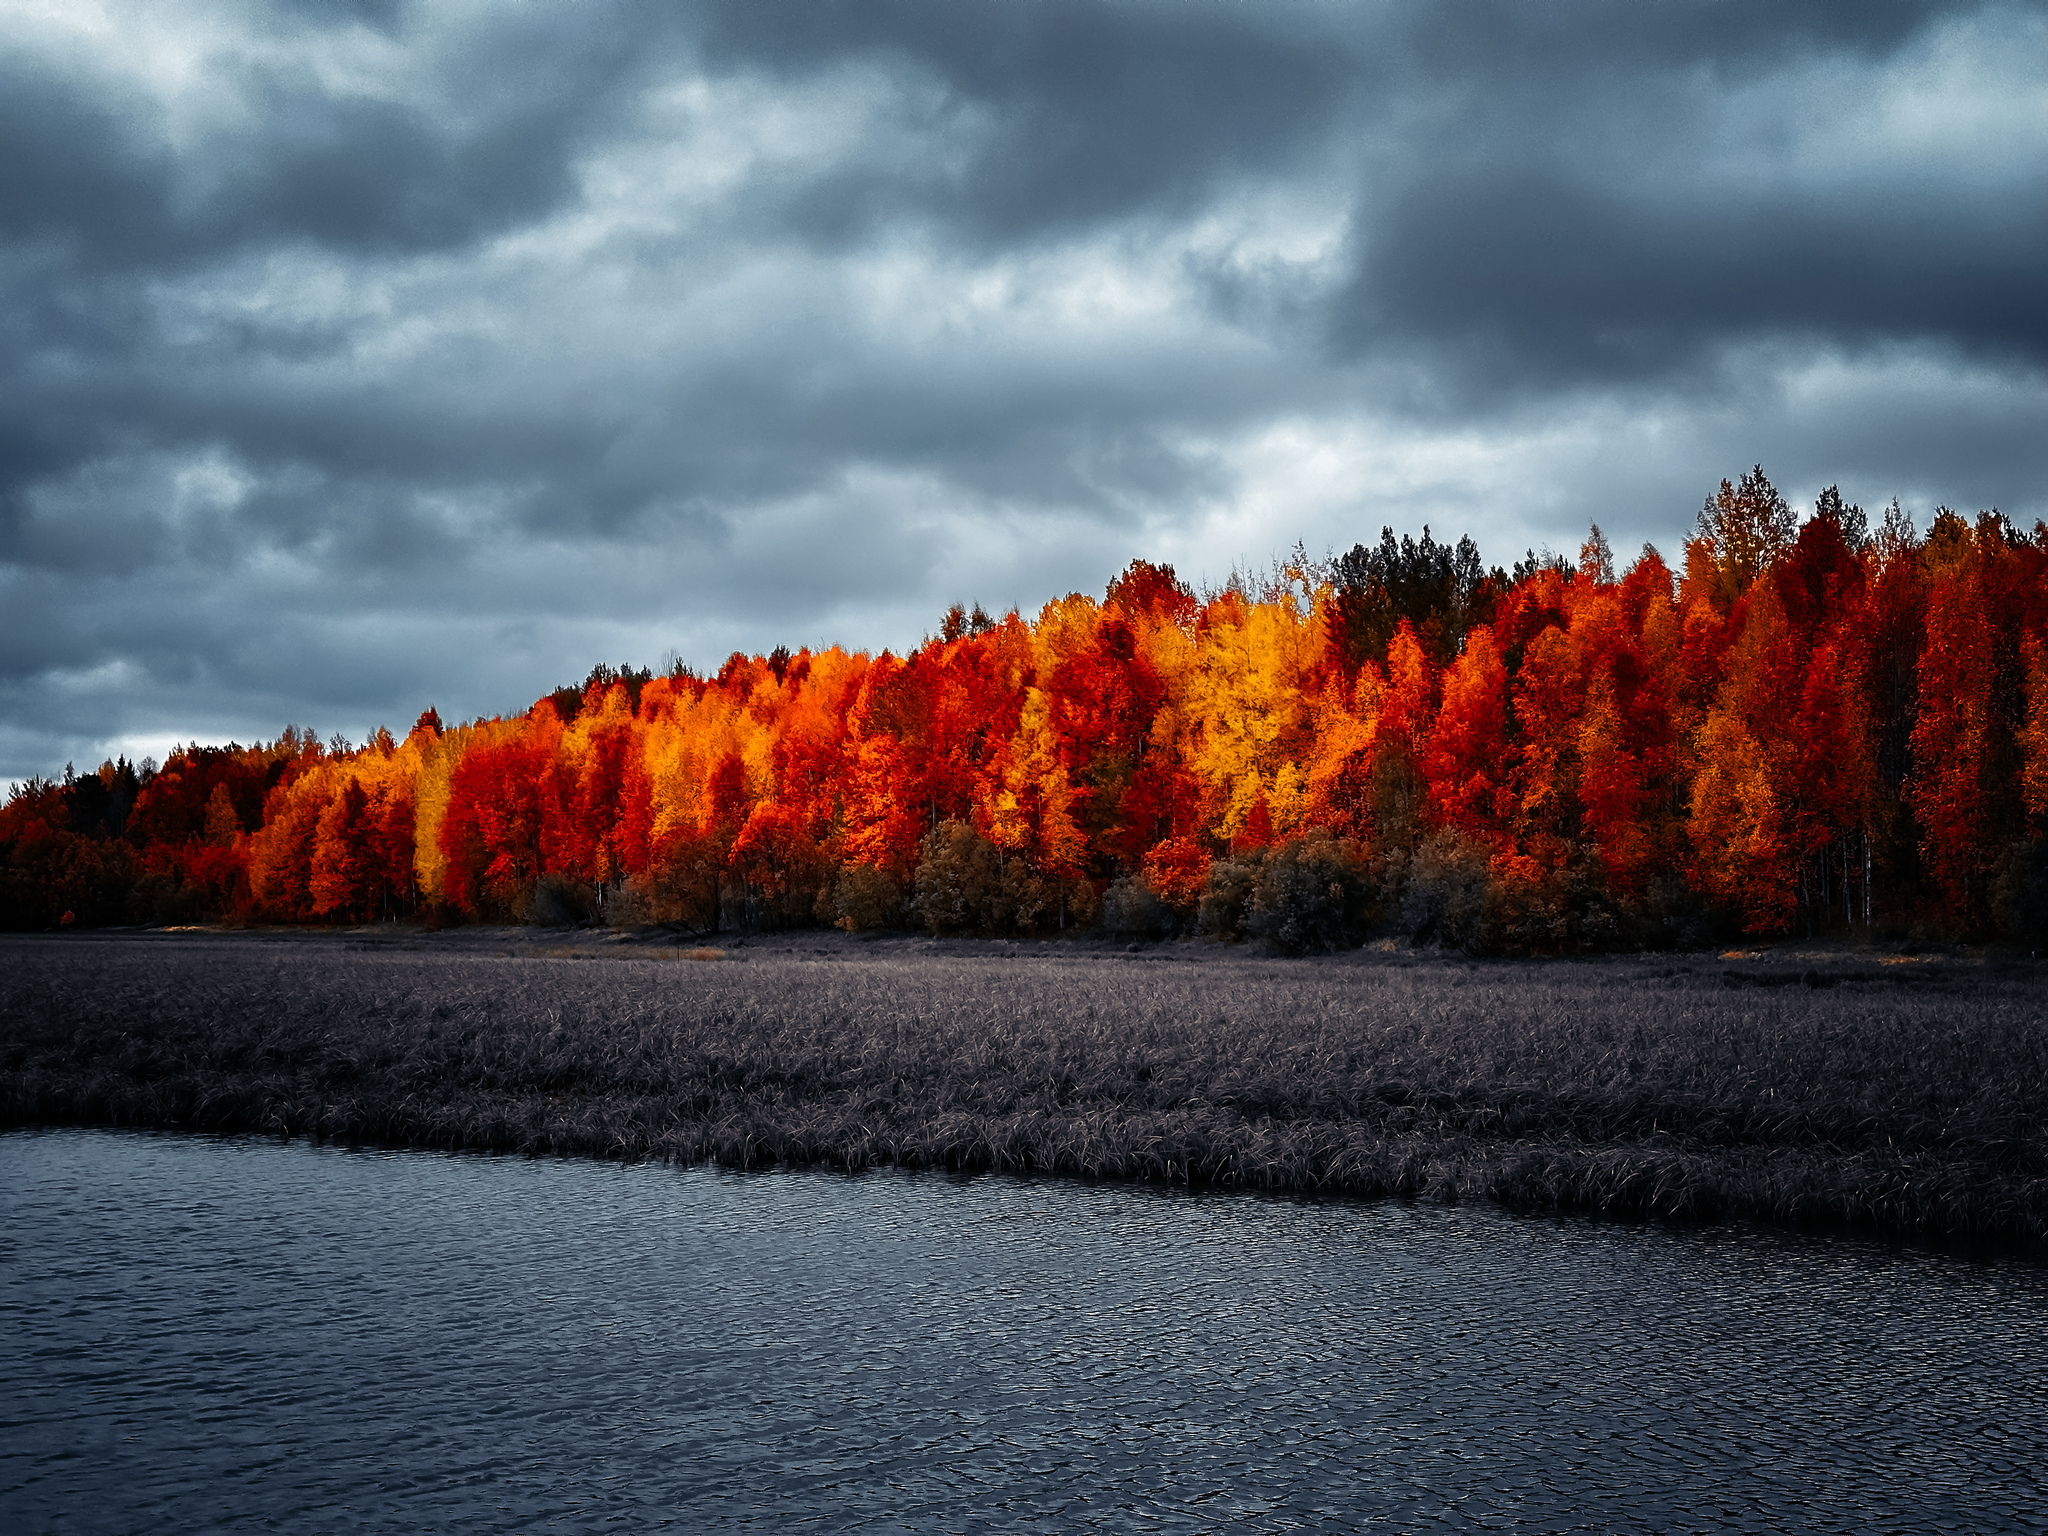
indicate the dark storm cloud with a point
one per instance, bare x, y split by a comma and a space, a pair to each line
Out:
1611, 201
487, 147
97, 204
1522, 272
356, 356
1100, 112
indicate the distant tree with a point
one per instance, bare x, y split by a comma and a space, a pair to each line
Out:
1147, 590
1467, 760
1596, 557
1745, 527
281, 851
1743, 803
223, 826
393, 822
1439, 590
1968, 742
1819, 573
2033, 735
603, 679
344, 875
1407, 715
1175, 870
1534, 563
1848, 519
491, 833
781, 870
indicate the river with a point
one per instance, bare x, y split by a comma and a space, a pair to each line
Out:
234, 1334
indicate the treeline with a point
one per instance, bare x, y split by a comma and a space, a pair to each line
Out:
1810, 726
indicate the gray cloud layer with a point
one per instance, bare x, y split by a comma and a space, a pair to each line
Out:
355, 357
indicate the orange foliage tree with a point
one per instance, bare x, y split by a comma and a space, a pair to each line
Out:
1810, 724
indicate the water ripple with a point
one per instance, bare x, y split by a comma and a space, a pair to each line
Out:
235, 1335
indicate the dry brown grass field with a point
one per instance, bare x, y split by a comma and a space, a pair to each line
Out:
1904, 1095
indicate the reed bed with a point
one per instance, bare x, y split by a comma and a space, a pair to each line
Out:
1902, 1100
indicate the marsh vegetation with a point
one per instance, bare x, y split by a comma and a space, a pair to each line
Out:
1903, 1098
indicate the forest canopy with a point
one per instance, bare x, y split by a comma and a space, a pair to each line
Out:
1811, 724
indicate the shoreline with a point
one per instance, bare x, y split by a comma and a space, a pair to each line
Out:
1903, 1100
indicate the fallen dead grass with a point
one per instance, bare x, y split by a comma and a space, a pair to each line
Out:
1901, 1100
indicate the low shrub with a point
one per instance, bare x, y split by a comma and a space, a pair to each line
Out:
1312, 892
960, 881
49, 874
1449, 895
1132, 910
863, 899
1460, 892
682, 886
1227, 895
775, 871
560, 901
966, 885
1551, 910
2019, 891
1669, 914
166, 901
1032, 902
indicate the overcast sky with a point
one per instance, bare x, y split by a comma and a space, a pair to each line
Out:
360, 357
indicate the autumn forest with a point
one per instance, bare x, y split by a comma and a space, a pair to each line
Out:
1811, 725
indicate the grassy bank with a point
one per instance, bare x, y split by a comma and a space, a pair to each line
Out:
1901, 1098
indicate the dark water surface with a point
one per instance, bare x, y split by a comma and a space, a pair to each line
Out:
234, 1334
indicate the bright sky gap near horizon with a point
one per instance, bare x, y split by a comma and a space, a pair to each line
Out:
360, 357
